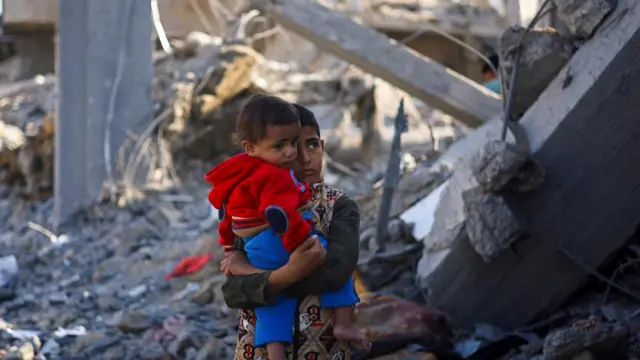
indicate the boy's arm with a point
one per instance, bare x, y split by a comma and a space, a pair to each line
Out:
279, 199
256, 289
342, 253
251, 291
246, 291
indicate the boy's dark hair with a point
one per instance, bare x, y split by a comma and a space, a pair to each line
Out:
495, 61
307, 118
261, 111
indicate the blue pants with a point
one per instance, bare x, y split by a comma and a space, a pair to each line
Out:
274, 323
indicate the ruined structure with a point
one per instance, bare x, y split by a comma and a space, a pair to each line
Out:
580, 215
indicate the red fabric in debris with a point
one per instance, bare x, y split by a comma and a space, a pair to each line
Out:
189, 265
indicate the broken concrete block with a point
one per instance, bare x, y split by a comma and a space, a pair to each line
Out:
490, 224
582, 17
441, 214
606, 339
448, 217
561, 124
544, 52
496, 164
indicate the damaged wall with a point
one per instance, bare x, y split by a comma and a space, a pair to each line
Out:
34, 54
32, 23
579, 130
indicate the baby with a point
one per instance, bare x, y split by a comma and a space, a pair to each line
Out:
260, 199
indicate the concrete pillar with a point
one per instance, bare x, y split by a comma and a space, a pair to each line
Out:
512, 10
105, 70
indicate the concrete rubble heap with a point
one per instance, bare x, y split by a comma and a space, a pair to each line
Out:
102, 280
542, 258
497, 235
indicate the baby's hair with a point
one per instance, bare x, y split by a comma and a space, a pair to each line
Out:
307, 118
261, 111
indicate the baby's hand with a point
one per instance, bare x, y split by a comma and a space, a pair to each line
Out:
307, 257
225, 265
236, 263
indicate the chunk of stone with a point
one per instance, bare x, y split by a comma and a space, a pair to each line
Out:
212, 349
604, 338
583, 17
210, 290
490, 224
134, 322
496, 164
543, 53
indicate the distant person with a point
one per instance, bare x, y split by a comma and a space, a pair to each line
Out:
491, 79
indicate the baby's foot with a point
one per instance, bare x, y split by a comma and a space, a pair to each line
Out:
353, 335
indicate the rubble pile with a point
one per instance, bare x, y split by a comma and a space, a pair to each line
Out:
479, 258
198, 93
479, 182
26, 135
100, 289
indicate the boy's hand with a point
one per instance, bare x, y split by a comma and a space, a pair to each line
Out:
307, 257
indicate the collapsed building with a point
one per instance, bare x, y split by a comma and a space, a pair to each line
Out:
504, 226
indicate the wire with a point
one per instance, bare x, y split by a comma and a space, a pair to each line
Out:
506, 117
433, 28
157, 23
516, 52
202, 17
221, 19
599, 276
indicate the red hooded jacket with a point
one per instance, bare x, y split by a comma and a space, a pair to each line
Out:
246, 188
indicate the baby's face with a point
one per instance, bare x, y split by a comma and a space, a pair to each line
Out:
279, 146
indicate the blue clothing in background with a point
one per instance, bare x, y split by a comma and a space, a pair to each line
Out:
493, 85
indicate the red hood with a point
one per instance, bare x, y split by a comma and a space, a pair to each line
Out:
228, 174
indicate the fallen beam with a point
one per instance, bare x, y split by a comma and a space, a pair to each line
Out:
380, 56
583, 131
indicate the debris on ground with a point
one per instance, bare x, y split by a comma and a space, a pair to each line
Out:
138, 278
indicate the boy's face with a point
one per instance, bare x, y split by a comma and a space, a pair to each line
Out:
279, 146
310, 156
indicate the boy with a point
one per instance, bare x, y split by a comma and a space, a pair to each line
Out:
261, 200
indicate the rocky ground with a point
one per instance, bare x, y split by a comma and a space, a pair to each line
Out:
99, 292
97, 289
